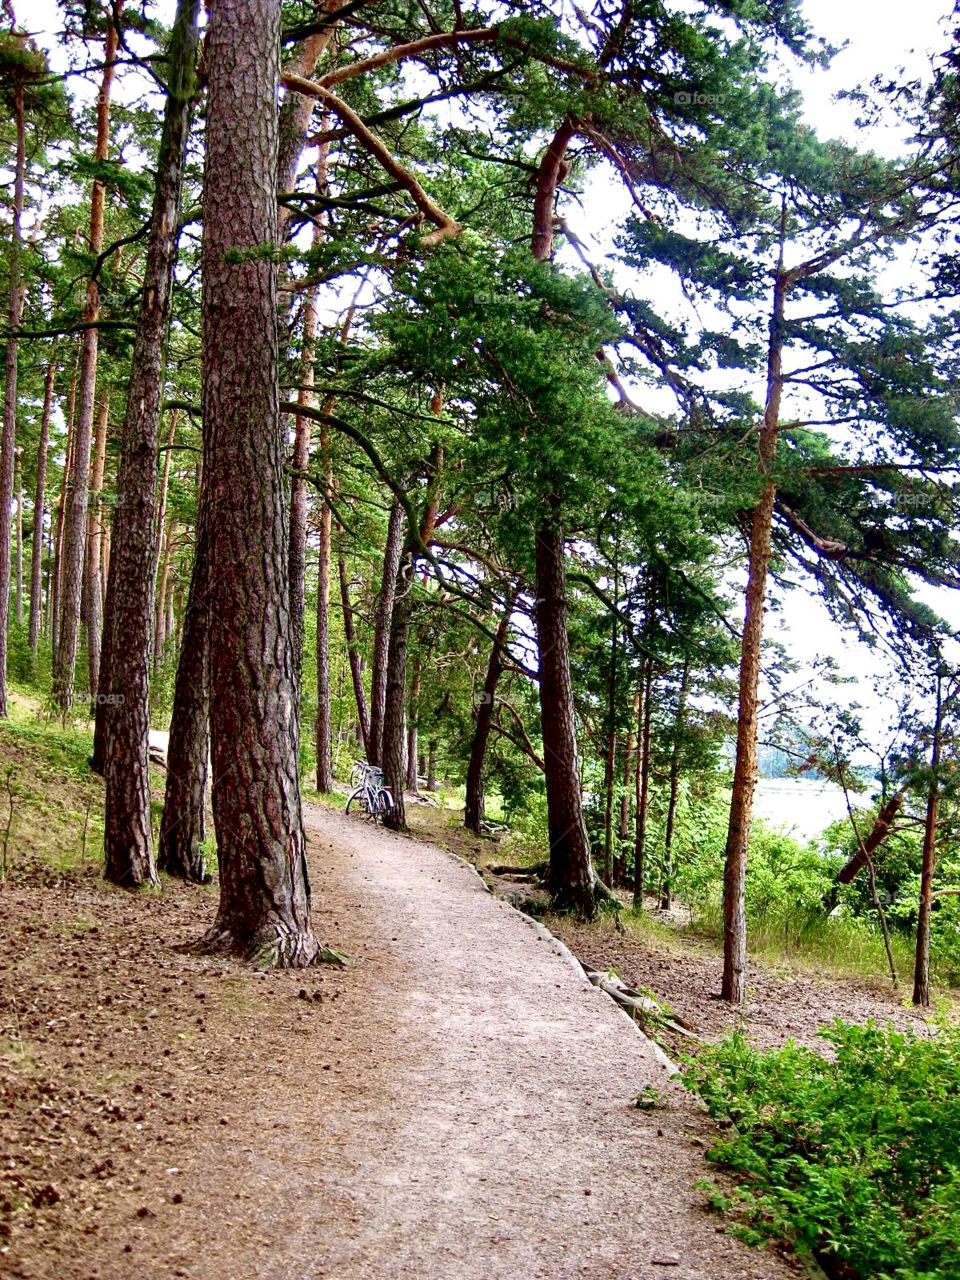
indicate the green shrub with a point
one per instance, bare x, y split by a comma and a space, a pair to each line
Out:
854, 1156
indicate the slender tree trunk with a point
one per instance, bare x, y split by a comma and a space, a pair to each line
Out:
18, 487
382, 626
183, 821
413, 751
666, 895
56, 601
93, 610
75, 518
643, 788
432, 766
8, 442
485, 703
626, 778
878, 833
928, 864
299, 495
353, 651
128, 844
610, 755
264, 910
393, 748
39, 500
323, 726
570, 875
163, 541
745, 767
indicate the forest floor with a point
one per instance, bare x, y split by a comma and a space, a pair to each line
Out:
456, 1104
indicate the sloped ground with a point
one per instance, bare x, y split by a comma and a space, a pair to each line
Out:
454, 1105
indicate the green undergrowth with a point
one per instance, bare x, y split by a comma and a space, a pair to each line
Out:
853, 1156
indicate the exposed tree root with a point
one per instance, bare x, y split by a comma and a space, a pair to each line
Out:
276, 946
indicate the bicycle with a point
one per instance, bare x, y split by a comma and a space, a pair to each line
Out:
373, 797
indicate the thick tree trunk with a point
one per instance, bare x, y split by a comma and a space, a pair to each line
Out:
353, 651
666, 891
324, 717
183, 822
8, 442
93, 603
642, 788
264, 910
745, 767
570, 874
127, 831
382, 627
485, 703
39, 500
75, 518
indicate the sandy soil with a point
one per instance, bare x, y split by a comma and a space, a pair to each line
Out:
455, 1105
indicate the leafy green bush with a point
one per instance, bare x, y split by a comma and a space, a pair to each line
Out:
854, 1156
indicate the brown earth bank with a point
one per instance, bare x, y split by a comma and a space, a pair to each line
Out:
457, 1103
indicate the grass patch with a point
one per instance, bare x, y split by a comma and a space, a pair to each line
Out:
854, 1158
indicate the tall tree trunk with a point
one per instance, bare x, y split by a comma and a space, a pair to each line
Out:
928, 863
162, 549
626, 778
570, 874
610, 755
128, 842
393, 743
745, 767
18, 487
666, 893
643, 787
485, 703
56, 593
39, 500
264, 910
75, 518
299, 494
183, 821
93, 610
353, 651
323, 726
413, 749
382, 626
431, 766
8, 442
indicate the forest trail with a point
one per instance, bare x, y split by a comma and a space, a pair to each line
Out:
458, 1106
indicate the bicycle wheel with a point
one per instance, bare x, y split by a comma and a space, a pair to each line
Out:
357, 794
384, 802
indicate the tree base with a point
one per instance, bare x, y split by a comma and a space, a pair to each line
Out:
275, 947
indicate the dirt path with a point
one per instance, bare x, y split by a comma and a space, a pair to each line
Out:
456, 1108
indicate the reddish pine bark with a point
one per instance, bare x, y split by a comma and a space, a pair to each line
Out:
264, 910
75, 516
128, 847
39, 501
